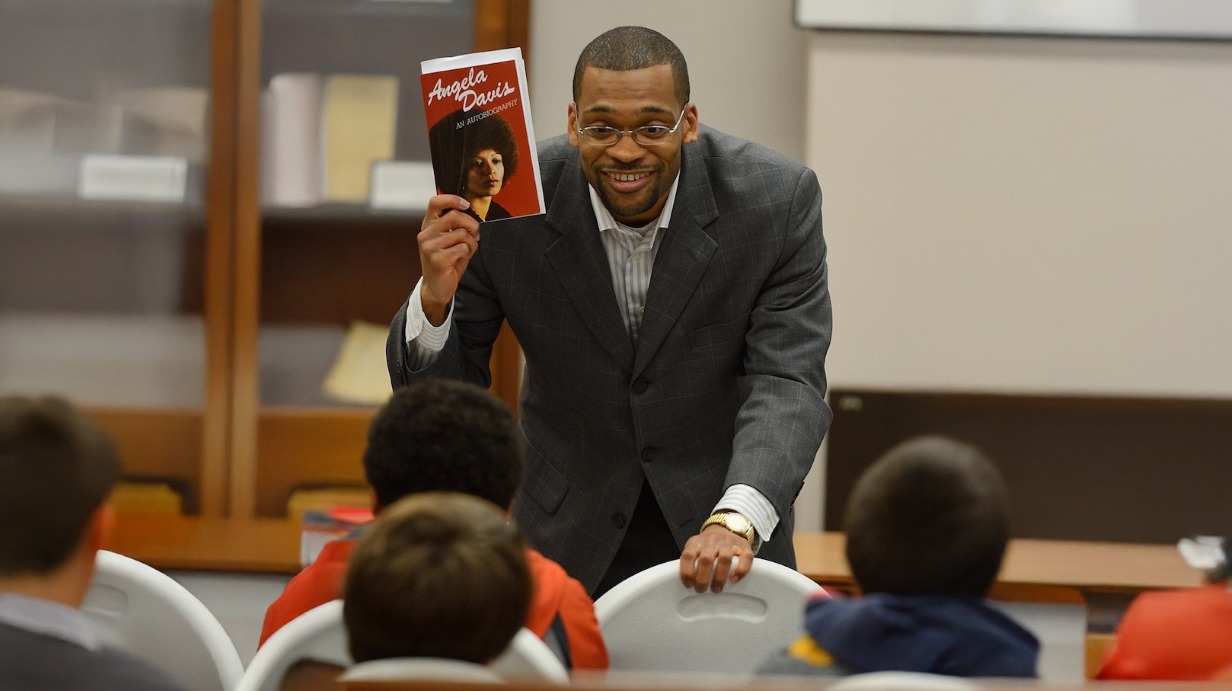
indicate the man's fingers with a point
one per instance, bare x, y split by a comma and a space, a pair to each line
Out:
705, 569
722, 566
744, 563
440, 205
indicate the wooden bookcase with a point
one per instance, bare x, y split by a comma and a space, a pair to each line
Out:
189, 327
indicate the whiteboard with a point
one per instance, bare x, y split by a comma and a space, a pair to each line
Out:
1190, 19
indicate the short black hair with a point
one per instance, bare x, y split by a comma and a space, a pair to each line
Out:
453, 146
632, 48
441, 435
930, 517
437, 575
56, 469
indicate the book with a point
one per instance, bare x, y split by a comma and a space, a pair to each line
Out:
291, 140
359, 122
322, 135
480, 133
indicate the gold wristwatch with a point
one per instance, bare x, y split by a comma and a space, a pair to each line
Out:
734, 522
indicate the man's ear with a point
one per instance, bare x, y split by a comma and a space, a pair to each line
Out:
572, 123
691, 124
102, 523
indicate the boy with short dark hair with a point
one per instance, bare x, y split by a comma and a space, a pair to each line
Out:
439, 575
440, 435
927, 527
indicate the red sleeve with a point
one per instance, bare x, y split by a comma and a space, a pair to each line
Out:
317, 584
577, 611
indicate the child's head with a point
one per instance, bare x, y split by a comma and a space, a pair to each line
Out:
437, 575
57, 470
930, 517
440, 435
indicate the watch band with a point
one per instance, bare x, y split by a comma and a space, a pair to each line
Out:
735, 523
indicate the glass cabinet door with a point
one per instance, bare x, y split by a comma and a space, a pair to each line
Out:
342, 178
104, 153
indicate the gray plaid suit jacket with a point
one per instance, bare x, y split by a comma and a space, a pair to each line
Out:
725, 385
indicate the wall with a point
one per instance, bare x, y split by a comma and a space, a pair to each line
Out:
1012, 214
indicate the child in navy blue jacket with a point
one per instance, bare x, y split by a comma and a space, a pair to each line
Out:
927, 527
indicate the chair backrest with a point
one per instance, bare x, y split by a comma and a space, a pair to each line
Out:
317, 634
528, 656
404, 668
652, 622
320, 634
137, 608
904, 681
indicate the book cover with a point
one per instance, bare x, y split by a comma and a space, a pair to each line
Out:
480, 132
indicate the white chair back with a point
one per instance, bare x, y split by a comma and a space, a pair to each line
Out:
902, 681
320, 634
528, 656
317, 634
137, 608
403, 668
651, 622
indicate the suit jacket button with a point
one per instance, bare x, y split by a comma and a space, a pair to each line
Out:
618, 520
640, 385
648, 454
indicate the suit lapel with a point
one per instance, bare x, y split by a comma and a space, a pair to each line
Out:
581, 264
682, 259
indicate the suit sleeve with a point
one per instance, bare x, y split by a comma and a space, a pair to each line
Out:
476, 321
783, 414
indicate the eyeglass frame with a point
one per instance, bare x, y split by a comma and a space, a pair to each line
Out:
632, 133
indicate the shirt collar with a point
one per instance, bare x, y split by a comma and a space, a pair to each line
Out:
604, 217
47, 618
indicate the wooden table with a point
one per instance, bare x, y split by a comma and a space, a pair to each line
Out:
269, 545
1089, 567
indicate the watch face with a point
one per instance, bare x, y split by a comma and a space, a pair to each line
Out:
738, 523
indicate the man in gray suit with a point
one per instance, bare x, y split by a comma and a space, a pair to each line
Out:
57, 470
674, 313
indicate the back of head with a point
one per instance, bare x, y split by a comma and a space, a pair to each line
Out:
632, 48
56, 469
440, 435
930, 517
438, 575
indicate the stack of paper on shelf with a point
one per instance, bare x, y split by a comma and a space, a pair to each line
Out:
359, 119
321, 526
358, 374
43, 136
164, 121
291, 140
322, 134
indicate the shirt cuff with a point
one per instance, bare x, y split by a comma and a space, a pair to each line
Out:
424, 340
753, 505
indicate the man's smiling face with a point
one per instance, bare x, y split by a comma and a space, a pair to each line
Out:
631, 179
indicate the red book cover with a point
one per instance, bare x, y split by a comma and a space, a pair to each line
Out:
480, 132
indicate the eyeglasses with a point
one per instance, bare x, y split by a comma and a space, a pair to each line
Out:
646, 135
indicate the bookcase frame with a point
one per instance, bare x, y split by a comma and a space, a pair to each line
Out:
226, 452
269, 451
